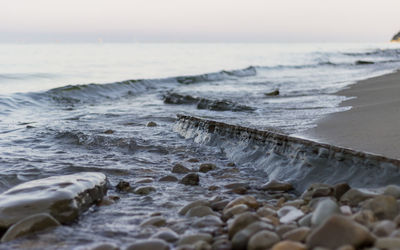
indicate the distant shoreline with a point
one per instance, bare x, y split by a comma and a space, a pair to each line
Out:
373, 122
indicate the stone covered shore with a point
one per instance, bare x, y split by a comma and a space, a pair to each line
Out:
240, 215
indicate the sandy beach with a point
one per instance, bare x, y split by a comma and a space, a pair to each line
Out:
372, 124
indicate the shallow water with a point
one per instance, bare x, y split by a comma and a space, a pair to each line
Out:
53, 118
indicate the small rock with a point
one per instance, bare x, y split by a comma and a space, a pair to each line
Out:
202, 245
144, 190
200, 211
340, 189
150, 244
191, 179
387, 243
284, 228
266, 212
109, 132
238, 209
231, 164
275, 185
346, 247
168, 178
262, 240
346, 210
240, 222
295, 203
324, 210
180, 169
123, 186
298, 234
354, 196
219, 205
144, 180
213, 188
104, 246
289, 214
240, 239
30, 224
306, 220
206, 167
272, 93
248, 200
193, 204
108, 200
317, 190
392, 190
289, 245
364, 217
383, 207
223, 244
151, 124
156, 221
193, 160
193, 238
208, 221
338, 231
167, 235
384, 228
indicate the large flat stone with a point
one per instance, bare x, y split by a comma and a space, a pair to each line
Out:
63, 197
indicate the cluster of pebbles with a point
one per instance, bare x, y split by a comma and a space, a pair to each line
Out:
273, 216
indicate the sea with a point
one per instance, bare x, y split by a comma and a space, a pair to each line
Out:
69, 108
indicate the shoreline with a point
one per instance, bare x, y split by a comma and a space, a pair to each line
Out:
371, 125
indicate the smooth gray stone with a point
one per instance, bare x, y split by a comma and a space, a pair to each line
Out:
63, 197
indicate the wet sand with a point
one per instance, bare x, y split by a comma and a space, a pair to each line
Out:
373, 122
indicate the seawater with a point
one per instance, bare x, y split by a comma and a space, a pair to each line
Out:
58, 100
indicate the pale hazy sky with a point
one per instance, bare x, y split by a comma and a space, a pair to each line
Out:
200, 20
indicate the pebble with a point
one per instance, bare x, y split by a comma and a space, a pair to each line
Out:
262, 240
151, 124
240, 222
275, 185
191, 179
144, 180
222, 244
289, 245
200, 211
298, 234
323, 211
208, 221
266, 211
305, 221
392, 190
150, 244
144, 190
109, 131
104, 246
193, 204
156, 221
167, 235
338, 231
193, 160
383, 207
354, 196
317, 190
30, 224
346, 210
288, 214
364, 217
123, 186
206, 167
168, 178
240, 239
238, 209
180, 169
388, 243
384, 228
248, 200
219, 205
193, 238
282, 229
340, 189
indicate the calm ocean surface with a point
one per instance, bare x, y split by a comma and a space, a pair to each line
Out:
57, 100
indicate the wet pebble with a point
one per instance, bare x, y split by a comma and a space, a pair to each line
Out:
168, 178
151, 124
262, 240
191, 179
288, 214
150, 244
206, 167
123, 186
193, 238
193, 204
144, 190
156, 221
200, 211
167, 235
275, 185
180, 169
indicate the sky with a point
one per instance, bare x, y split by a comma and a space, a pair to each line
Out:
198, 20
